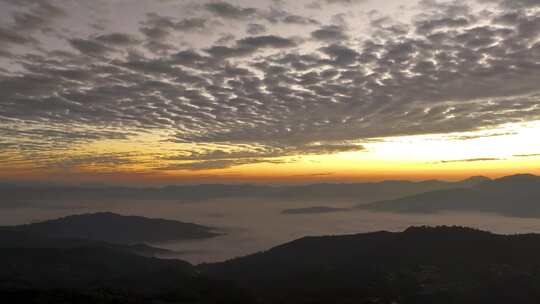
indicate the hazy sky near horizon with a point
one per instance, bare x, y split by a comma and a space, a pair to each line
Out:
168, 91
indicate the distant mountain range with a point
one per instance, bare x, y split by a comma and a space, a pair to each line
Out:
313, 210
27, 195
517, 195
115, 228
440, 265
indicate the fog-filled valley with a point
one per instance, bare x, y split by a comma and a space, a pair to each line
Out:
252, 223
470, 241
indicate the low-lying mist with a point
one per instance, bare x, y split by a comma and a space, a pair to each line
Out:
253, 225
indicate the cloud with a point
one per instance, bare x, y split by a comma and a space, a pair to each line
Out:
527, 155
345, 1
158, 30
229, 11
486, 159
428, 26
297, 19
13, 37
263, 152
29, 17
471, 137
255, 29
275, 15
266, 41
319, 4
216, 164
35, 15
190, 24
340, 54
89, 47
514, 4
330, 33
117, 39
220, 159
111, 160
452, 69
249, 45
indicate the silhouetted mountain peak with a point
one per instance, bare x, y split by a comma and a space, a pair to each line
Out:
518, 183
475, 180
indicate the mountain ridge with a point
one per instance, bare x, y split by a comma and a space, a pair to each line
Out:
115, 228
419, 265
31, 196
514, 195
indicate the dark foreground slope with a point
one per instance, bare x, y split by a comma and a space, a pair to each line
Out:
517, 195
104, 275
115, 228
38, 264
420, 265
10, 239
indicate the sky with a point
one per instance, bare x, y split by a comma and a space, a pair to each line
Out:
179, 91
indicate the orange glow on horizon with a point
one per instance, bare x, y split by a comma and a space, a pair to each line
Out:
143, 160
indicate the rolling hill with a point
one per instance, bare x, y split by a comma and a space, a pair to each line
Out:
115, 228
